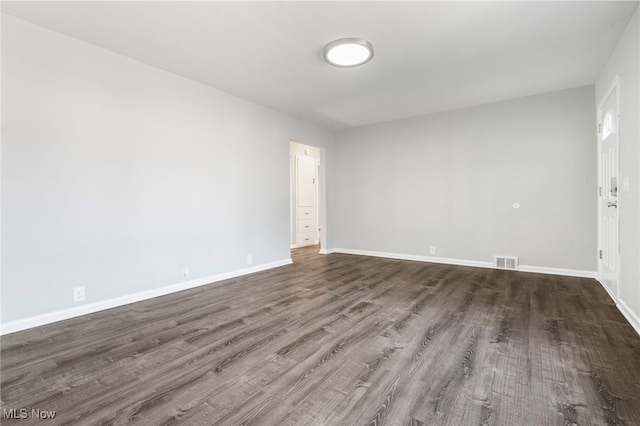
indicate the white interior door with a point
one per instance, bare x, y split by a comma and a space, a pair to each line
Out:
306, 182
306, 201
609, 262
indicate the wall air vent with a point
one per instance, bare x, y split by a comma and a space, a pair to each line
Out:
505, 262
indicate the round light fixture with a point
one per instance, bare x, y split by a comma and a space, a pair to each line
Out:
348, 52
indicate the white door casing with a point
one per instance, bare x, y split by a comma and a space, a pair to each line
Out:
608, 176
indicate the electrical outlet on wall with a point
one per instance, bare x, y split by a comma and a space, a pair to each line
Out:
249, 259
185, 271
78, 294
432, 250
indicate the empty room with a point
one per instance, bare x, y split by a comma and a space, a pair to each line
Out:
320, 213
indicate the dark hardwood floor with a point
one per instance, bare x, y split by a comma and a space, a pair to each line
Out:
339, 340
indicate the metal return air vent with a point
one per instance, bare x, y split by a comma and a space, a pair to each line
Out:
505, 262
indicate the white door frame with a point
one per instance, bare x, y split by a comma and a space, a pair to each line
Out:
321, 202
615, 86
318, 228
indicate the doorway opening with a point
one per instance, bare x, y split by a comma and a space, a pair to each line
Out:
306, 201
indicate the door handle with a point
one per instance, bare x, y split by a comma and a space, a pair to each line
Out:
612, 204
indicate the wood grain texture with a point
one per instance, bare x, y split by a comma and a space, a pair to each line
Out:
338, 340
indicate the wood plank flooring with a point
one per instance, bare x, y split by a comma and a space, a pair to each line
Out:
338, 340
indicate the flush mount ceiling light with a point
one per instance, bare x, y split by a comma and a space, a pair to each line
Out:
348, 52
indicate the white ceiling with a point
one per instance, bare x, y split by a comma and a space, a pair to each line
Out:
429, 56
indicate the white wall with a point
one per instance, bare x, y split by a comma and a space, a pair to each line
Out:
116, 174
450, 179
625, 61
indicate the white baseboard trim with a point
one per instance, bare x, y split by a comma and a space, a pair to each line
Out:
461, 262
26, 323
626, 311
611, 295
326, 251
415, 257
558, 271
